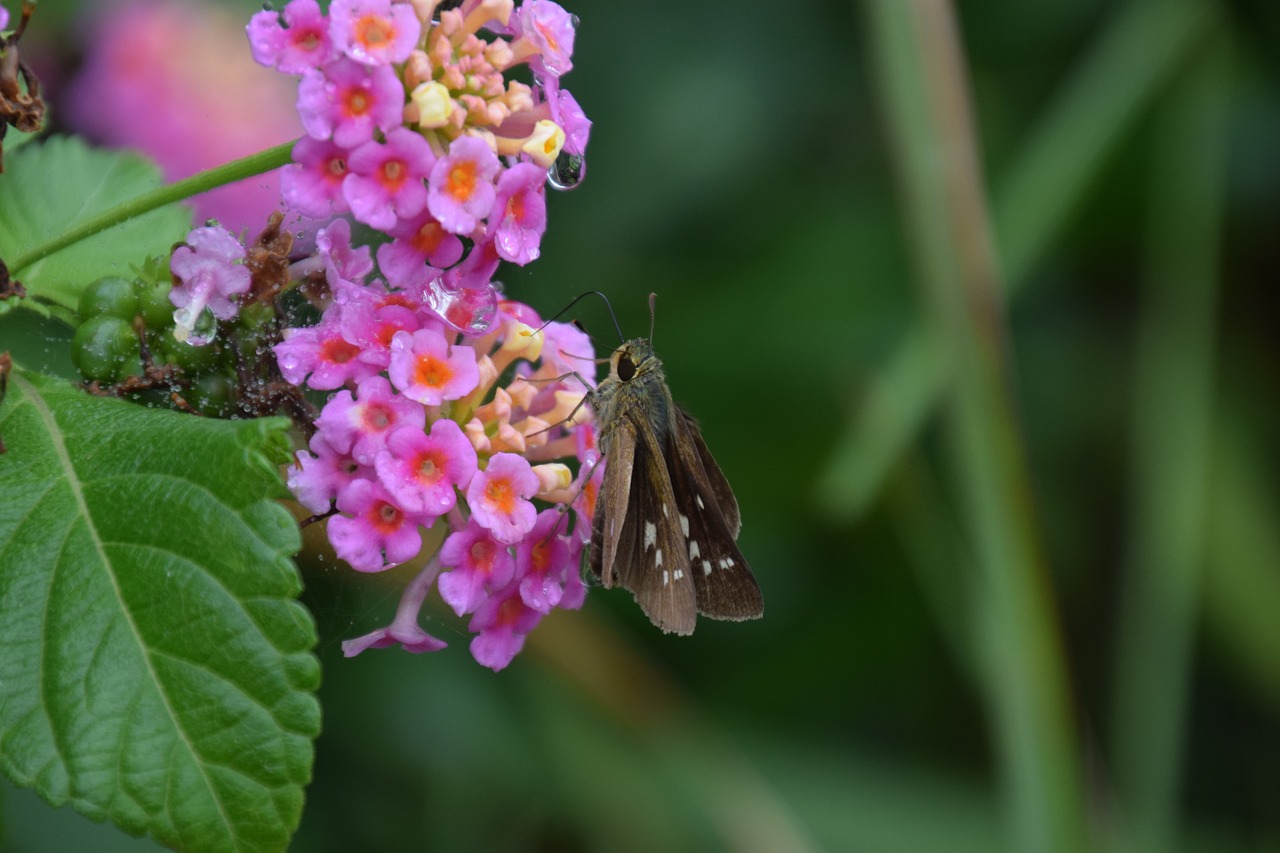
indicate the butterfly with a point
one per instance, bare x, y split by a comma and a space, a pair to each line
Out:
666, 521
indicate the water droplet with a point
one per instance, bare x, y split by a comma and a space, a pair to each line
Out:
575, 21
567, 171
470, 310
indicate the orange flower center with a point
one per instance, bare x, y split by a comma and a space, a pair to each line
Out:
393, 174
430, 466
338, 351
432, 372
377, 418
462, 181
500, 495
385, 518
372, 31
428, 238
482, 552
357, 102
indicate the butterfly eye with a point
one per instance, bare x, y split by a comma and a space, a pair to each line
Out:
626, 367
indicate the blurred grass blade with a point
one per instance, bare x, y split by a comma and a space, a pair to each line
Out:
1128, 65
1241, 592
933, 547
1124, 72
923, 89
1173, 398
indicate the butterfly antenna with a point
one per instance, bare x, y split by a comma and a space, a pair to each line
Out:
578, 299
653, 308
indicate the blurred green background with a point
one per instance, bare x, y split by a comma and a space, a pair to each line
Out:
997, 390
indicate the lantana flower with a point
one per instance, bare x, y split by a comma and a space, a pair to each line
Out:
441, 406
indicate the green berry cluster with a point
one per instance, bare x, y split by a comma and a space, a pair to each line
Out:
126, 345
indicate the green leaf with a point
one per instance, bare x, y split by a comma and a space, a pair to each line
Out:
155, 669
51, 187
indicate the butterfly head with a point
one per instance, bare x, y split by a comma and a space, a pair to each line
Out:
633, 360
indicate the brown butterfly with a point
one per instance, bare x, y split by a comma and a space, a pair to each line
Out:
666, 520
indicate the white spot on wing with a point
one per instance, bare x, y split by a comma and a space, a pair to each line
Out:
695, 553
684, 524
706, 567
666, 577
679, 573
701, 505
650, 535
665, 514
657, 558
726, 562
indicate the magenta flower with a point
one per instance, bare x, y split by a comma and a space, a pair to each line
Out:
421, 248
312, 184
502, 622
548, 30
542, 563
348, 101
361, 425
318, 477
372, 327
342, 261
209, 270
499, 497
4, 18
420, 471
568, 350
409, 636
404, 629
374, 32
375, 534
519, 213
321, 357
461, 182
480, 565
425, 368
298, 44
386, 178
576, 125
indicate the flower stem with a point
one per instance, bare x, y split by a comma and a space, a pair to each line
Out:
229, 173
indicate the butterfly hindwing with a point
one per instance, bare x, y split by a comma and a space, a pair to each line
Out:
722, 580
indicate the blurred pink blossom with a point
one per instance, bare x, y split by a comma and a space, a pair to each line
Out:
176, 81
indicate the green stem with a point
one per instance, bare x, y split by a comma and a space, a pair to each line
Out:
238, 170
924, 91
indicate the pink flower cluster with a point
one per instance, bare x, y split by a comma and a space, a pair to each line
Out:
413, 128
450, 412
420, 433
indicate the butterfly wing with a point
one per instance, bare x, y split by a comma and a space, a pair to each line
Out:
723, 583
648, 554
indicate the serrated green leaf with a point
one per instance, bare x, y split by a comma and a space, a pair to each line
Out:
155, 669
49, 188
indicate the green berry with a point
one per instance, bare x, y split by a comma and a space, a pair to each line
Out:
153, 299
110, 296
106, 349
191, 359
211, 395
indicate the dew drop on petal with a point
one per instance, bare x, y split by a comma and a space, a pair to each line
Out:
470, 310
567, 171
575, 21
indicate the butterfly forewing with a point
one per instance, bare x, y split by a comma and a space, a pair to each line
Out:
647, 554
723, 582
718, 483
